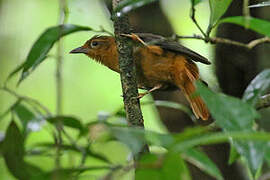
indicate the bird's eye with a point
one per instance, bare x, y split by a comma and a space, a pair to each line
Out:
94, 44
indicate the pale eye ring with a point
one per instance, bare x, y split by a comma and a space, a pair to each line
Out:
94, 44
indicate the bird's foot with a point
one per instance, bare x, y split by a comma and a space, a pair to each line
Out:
134, 37
141, 95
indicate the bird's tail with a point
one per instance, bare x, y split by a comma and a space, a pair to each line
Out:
185, 82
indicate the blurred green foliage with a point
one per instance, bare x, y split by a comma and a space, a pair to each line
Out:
96, 141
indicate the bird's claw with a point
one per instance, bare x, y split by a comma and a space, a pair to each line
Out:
141, 95
134, 37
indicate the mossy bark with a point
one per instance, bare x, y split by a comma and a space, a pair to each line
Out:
127, 70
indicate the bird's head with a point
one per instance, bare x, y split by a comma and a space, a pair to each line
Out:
96, 47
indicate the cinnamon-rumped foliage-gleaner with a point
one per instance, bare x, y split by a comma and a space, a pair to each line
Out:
160, 64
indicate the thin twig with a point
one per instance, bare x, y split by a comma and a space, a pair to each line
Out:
263, 102
63, 15
246, 12
218, 40
256, 42
74, 143
27, 99
192, 16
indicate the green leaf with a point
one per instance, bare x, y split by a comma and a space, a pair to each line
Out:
255, 24
135, 138
257, 87
232, 114
68, 173
12, 149
29, 120
126, 6
142, 172
16, 70
67, 147
195, 2
217, 8
67, 121
201, 160
215, 138
162, 167
174, 167
42, 46
267, 154
234, 155
262, 4
7, 111
253, 152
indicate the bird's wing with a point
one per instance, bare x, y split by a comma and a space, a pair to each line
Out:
172, 46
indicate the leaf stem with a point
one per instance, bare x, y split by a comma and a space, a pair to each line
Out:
192, 16
246, 12
30, 100
63, 15
218, 40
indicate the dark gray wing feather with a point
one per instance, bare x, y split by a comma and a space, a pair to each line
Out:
172, 46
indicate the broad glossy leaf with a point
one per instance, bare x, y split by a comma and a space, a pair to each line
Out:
195, 2
42, 46
13, 151
217, 8
68, 173
262, 4
174, 167
189, 133
216, 138
234, 155
267, 154
253, 151
29, 120
201, 160
125, 6
7, 111
162, 167
232, 114
135, 138
259, 25
67, 121
148, 160
257, 87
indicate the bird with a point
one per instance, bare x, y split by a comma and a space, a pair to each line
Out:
161, 64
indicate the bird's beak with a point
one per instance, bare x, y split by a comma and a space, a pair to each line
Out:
79, 50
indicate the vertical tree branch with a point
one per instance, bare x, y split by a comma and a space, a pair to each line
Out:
63, 15
246, 12
127, 70
63, 11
